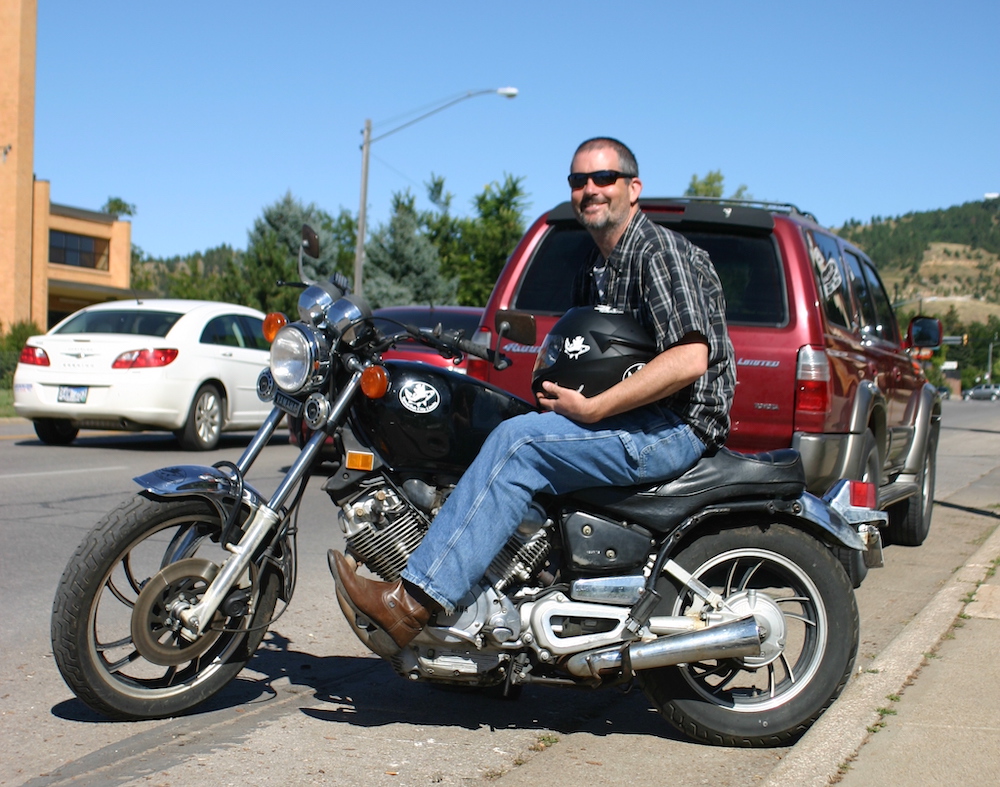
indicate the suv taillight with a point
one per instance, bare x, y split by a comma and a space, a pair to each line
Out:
812, 381
477, 367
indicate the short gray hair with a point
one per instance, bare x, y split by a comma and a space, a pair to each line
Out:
626, 159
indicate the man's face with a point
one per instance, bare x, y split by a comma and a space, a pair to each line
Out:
602, 208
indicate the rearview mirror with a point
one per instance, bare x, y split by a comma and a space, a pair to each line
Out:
519, 327
924, 332
310, 242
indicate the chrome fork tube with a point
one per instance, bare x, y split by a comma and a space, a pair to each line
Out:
259, 440
196, 618
311, 448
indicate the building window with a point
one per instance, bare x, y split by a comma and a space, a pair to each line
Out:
80, 251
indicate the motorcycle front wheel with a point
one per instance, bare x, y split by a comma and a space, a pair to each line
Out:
801, 595
117, 647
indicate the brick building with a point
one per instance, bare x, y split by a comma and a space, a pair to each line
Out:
54, 259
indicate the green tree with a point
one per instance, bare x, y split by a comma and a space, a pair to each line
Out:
712, 185
205, 276
402, 264
479, 246
12, 342
343, 231
252, 279
284, 219
708, 186
118, 207
900, 242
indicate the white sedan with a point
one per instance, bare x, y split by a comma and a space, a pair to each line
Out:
189, 367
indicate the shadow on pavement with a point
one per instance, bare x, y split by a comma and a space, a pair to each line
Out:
151, 441
365, 692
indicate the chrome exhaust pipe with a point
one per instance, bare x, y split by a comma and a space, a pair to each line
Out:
729, 640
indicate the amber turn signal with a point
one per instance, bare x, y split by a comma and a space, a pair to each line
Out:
273, 323
374, 382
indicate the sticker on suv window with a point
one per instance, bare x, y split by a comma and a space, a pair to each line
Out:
830, 276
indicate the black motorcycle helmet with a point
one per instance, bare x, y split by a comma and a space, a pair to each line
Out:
590, 349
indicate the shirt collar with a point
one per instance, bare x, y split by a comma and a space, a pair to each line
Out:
615, 260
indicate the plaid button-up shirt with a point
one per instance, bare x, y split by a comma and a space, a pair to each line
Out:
671, 287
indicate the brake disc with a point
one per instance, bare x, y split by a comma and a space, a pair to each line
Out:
157, 631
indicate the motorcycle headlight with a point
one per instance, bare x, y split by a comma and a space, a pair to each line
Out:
300, 359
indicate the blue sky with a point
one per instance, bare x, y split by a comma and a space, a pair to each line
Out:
203, 113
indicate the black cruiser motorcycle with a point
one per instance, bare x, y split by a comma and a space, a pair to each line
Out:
726, 593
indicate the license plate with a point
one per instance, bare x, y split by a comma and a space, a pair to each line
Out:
291, 406
72, 394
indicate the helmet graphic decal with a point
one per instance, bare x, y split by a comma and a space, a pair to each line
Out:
591, 349
419, 397
632, 370
576, 347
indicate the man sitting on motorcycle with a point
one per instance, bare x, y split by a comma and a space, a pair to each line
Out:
651, 426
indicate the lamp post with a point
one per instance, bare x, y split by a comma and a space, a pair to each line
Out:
368, 139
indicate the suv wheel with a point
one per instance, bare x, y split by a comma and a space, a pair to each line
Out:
910, 520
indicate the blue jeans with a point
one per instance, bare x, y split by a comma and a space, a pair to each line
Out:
540, 452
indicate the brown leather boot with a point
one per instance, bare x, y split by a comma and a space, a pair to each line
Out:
387, 604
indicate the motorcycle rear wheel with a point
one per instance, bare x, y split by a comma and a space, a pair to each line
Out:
141, 669
793, 584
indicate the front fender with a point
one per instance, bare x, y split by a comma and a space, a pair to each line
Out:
220, 489
211, 483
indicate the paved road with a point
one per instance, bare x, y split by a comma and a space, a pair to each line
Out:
315, 707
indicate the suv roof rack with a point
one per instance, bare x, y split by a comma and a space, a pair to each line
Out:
711, 210
777, 207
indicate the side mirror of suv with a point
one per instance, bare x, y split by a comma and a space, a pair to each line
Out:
924, 332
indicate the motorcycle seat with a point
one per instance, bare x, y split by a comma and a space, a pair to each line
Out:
723, 477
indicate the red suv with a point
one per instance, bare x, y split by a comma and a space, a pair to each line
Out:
821, 364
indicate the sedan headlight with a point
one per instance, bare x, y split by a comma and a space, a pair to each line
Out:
300, 359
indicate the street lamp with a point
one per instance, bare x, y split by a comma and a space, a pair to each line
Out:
368, 139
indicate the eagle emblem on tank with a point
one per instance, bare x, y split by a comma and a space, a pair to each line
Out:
419, 397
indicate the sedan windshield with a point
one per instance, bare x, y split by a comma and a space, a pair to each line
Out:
126, 321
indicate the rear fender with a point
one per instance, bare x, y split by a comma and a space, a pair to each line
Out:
831, 525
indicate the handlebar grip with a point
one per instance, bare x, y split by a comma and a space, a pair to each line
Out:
480, 351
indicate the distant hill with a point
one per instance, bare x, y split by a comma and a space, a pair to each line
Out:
937, 259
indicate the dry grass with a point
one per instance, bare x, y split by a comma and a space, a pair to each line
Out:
951, 274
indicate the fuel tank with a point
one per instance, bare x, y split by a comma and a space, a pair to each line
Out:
432, 420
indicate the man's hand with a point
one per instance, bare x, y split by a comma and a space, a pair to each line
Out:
669, 372
566, 401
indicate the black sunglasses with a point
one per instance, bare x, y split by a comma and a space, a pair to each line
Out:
601, 178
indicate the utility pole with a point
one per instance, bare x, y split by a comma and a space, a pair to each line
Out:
359, 250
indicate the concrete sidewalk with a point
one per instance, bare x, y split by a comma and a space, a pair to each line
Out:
944, 728
927, 710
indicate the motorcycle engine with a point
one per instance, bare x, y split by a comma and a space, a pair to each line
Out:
383, 527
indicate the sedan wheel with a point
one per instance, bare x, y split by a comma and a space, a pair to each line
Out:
55, 431
204, 424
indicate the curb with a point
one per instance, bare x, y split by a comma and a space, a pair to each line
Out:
835, 739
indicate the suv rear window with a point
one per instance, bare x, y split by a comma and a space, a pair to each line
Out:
748, 267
